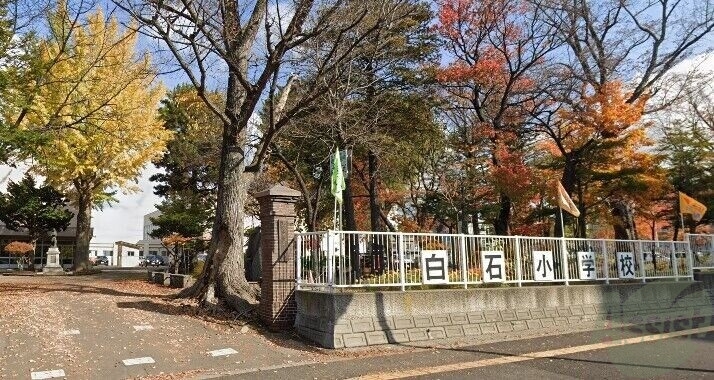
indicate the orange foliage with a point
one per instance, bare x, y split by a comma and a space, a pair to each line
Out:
19, 248
489, 71
175, 239
511, 176
603, 114
490, 32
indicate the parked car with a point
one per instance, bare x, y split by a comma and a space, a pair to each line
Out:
201, 257
154, 260
101, 260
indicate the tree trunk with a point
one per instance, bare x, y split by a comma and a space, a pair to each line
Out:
224, 271
84, 231
568, 180
675, 235
624, 225
693, 227
559, 230
582, 225
504, 216
501, 224
175, 260
582, 219
32, 254
350, 224
374, 208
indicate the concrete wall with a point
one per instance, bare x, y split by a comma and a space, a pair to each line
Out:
351, 319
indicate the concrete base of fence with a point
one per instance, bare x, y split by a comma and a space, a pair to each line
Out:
351, 319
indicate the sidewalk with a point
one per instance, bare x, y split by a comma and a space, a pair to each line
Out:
88, 325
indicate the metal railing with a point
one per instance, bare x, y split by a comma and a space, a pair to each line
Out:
702, 247
386, 259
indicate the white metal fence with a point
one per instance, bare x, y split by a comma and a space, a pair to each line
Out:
384, 259
702, 247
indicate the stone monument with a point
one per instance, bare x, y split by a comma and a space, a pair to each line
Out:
53, 264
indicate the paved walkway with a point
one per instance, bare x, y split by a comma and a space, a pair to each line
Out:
87, 326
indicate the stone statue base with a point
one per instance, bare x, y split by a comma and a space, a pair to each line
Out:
53, 265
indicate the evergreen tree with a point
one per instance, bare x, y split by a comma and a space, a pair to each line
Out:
688, 148
36, 209
189, 176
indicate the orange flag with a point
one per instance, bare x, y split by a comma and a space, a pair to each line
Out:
689, 205
565, 203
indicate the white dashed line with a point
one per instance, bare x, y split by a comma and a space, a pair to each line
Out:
222, 352
143, 327
47, 374
135, 361
70, 332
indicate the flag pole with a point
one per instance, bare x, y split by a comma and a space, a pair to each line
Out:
334, 216
564, 253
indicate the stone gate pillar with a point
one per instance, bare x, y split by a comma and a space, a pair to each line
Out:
277, 220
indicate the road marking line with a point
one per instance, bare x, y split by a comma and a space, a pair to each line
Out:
70, 332
530, 356
47, 374
143, 327
222, 352
135, 361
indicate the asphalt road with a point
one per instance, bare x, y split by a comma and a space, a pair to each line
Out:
634, 352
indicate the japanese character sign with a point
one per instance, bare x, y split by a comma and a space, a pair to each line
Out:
625, 265
543, 266
434, 267
493, 266
586, 266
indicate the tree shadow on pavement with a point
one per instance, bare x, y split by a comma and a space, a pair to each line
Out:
19, 289
174, 307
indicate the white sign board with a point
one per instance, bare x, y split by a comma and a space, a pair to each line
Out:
493, 266
586, 266
543, 269
434, 267
625, 265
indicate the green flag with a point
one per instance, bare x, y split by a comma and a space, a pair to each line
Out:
338, 178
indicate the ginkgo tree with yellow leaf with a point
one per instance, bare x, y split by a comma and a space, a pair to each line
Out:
99, 98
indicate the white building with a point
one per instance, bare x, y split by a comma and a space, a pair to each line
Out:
150, 245
103, 249
149, 226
